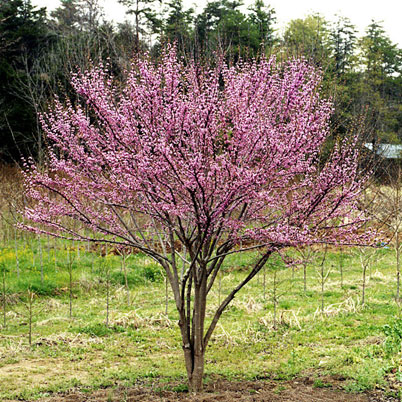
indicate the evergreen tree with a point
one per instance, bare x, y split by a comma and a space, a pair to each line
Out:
342, 75
24, 36
263, 18
308, 37
343, 43
177, 26
380, 57
67, 16
223, 26
146, 18
379, 89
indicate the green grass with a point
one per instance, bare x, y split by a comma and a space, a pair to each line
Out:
358, 343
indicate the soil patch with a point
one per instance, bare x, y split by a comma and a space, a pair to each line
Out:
226, 391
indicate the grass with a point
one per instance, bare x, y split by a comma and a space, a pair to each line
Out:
358, 343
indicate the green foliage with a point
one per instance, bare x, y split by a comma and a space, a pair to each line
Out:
380, 56
146, 18
221, 25
99, 330
393, 340
176, 26
46, 288
368, 375
309, 37
180, 388
95, 330
262, 18
321, 384
138, 275
343, 43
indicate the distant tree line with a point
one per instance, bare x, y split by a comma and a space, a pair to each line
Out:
38, 52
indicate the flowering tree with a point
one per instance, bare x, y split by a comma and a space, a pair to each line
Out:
190, 164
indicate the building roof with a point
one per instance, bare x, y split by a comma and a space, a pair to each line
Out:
387, 151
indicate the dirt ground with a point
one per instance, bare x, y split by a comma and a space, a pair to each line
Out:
225, 391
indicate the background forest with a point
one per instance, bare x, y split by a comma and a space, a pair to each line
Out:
38, 52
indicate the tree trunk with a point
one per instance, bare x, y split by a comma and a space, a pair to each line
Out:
4, 298
398, 273
195, 368
41, 260
195, 378
16, 253
126, 279
195, 381
30, 302
341, 267
275, 300
193, 339
70, 285
322, 288
107, 296
264, 284
364, 285
166, 295
137, 28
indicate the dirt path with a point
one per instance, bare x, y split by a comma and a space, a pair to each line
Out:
225, 391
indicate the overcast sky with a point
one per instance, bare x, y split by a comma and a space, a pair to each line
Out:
359, 11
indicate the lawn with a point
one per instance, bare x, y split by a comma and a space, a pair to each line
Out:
119, 333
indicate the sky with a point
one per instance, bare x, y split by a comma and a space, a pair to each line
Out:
360, 12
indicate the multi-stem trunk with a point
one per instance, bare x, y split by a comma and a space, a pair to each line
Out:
191, 297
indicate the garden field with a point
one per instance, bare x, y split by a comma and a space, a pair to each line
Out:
83, 321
